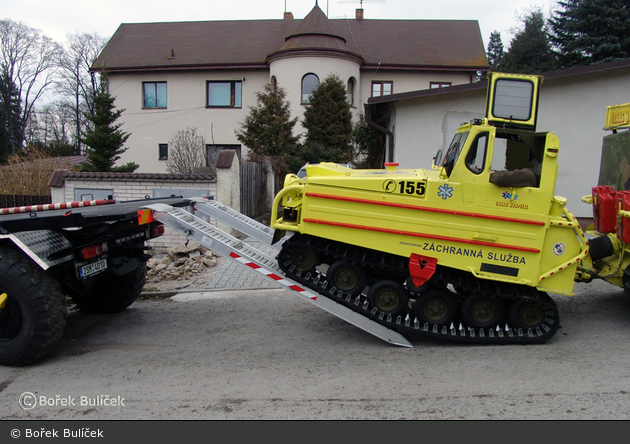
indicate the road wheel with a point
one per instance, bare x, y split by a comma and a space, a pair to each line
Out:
480, 311
347, 277
302, 256
436, 307
538, 318
534, 314
111, 294
526, 314
389, 297
32, 317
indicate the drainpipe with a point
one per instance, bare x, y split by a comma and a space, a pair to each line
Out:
390, 136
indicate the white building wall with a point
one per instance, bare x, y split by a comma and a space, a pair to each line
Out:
405, 81
290, 71
572, 107
186, 100
186, 107
423, 126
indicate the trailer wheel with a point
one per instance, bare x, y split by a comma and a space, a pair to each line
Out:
389, 297
437, 307
347, 277
111, 294
33, 315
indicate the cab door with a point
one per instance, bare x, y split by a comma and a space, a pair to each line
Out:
472, 169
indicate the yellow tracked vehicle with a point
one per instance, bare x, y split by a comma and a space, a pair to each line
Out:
466, 250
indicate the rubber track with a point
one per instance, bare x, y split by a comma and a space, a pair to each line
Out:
407, 324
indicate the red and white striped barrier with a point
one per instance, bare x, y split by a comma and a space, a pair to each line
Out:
275, 277
56, 206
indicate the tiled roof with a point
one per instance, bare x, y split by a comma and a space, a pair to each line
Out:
58, 176
316, 33
560, 74
396, 44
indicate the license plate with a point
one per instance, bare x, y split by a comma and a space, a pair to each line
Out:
94, 268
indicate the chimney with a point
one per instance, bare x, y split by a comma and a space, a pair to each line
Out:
359, 15
288, 16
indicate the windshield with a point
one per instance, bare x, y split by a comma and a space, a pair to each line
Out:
453, 152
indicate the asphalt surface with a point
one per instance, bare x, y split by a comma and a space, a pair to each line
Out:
265, 354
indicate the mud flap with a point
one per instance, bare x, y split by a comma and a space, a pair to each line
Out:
421, 268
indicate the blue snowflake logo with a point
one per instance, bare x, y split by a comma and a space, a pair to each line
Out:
445, 191
508, 195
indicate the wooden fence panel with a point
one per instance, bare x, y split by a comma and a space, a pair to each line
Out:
253, 189
10, 201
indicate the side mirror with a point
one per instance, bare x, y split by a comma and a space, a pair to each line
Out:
437, 160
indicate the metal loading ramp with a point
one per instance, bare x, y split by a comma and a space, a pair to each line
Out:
255, 260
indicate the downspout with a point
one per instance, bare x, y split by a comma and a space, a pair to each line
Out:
372, 124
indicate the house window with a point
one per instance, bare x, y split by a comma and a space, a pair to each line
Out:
225, 94
163, 147
435, 85
213, 152
350, 95
310, 82
382, 88
154, 94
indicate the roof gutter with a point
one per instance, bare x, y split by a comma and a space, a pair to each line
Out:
369, 109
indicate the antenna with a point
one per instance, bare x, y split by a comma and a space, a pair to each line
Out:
349, 2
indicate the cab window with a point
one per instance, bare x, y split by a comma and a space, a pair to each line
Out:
476, 157
453, 152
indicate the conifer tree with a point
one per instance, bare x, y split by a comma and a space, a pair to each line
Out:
268, 129
530, 49
11, 126
105, 141
328, 122
495, 50
590, 31
369, 146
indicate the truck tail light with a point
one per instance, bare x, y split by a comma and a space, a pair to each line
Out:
157, 231
91, 252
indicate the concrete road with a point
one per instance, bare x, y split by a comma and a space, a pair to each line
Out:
265, 354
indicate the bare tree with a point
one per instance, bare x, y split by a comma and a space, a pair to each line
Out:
58, 121
51, 125
29, 60
76, 80
187, 151
28, 173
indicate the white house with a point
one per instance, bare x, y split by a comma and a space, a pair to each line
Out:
572, 104
205, 74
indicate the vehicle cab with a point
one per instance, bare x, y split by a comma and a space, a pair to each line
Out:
500, 161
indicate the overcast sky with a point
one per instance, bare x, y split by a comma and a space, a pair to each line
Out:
56, 18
